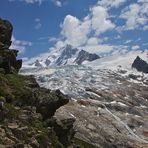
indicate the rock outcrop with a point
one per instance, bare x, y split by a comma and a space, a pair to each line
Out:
8, 61
85, 56
26, 110
140, 65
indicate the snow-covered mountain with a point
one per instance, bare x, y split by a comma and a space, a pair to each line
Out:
72, 78
64, 56
107, 90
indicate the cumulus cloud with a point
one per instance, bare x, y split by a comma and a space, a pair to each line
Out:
93, 41
75, 31
20, 45
59, 44
135, 15
100, 21
86, 31
111, 3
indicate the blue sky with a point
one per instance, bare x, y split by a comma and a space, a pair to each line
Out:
103, 26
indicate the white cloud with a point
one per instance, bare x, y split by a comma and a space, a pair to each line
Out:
53, 39
98, 48
135, 15
75, 31
100, 21
38, 23
104, 49
19, 45
93, 41
127, 41
135, 47
57, 3
111, 3
59, 44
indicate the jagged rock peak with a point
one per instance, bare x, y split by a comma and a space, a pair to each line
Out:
8, 61
86, 56
140, 65
5, 33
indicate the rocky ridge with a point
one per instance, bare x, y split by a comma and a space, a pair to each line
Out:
26, 110
63, 56
140, 65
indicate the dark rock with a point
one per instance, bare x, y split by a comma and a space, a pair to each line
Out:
5, 33
140, 65
8, 59
38, 64
19, 145
48, 102
67, 53
64, 129
132, 76
47, 62
85, 56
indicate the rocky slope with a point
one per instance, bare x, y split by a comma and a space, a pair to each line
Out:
110, 105
26, 110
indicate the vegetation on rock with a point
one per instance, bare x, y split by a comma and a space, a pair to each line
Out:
26, 110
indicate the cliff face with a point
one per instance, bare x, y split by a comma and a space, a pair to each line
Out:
140, 65
26, 114
26, 110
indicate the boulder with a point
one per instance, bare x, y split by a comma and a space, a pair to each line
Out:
48, 102
8, 59
5, 33
64, 128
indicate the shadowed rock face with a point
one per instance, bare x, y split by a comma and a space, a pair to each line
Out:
67, 53
26, 110
140, 65
8, 61
85, 56
5, 33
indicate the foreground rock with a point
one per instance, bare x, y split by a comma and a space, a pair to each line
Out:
8, 61
26, 110
110, 107
140, 65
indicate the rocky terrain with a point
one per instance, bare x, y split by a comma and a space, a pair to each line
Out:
110, 106
26, 110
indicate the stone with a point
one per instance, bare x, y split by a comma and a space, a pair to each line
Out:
5, 33
48, 104
8, 59
13, 126
64, 130
34, 143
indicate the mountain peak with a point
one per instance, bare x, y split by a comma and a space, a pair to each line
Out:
67, 55
140, 65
